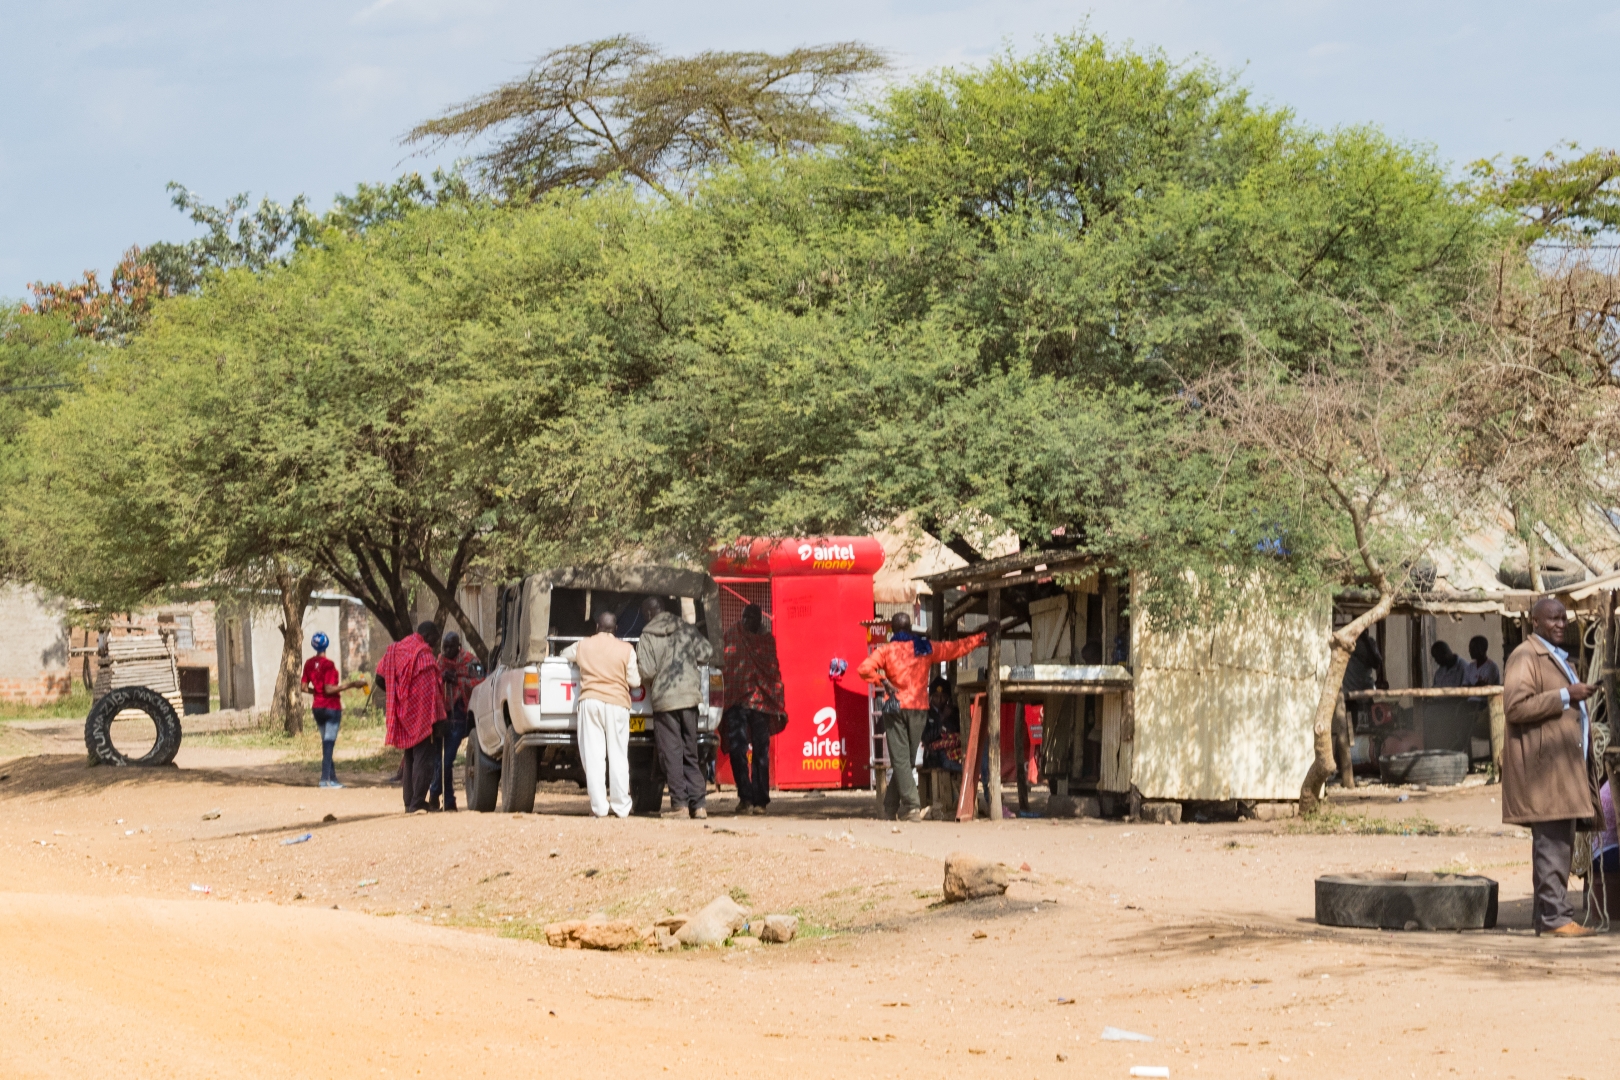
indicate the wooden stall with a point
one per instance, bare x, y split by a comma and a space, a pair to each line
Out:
1130, 712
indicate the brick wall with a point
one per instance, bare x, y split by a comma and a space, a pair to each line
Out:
46, 688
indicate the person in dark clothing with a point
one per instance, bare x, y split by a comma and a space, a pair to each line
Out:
671, 657
1481, 670
942, 734
1361, 673
456, 669
754, 711
1448, 666
410, 671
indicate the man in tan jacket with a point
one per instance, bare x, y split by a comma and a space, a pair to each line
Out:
1548, 782
607, 671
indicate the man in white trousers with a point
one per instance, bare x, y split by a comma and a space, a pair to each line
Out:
607, 671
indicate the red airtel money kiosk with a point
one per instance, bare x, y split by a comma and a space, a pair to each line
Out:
816, 594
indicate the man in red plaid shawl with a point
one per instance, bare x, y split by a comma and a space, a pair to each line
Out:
456, 674
754, 710
415, 703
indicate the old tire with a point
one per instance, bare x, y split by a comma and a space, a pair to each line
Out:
482, 777
1415, 901
1434, 768
520, 772
1556, 573
98, 727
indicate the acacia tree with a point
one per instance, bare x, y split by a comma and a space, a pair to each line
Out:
1376, 452
620, 106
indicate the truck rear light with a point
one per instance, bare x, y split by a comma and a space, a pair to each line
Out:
531, 688
717, 691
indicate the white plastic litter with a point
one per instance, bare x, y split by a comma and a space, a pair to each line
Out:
1114, 1034
200, 888
299, 839
1151, 1070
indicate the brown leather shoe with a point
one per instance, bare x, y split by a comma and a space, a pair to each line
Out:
1570, 929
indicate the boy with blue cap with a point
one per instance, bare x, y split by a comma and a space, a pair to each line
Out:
321, 680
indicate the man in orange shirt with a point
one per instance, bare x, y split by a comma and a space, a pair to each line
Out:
902, 668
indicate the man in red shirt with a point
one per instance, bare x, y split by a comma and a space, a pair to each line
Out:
902, 668
414, 704
754, 710
321, 680
456, 671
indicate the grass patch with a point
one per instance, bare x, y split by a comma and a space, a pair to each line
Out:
76, 706
362, 730
1330, 823
809, 929
739, 894
523, 930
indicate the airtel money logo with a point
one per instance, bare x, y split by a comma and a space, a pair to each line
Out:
823, 745
828, 556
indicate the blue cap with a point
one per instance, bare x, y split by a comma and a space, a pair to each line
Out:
320, 641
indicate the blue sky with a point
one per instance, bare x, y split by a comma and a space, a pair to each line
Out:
106, 102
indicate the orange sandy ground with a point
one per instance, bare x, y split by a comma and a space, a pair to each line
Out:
1197, 935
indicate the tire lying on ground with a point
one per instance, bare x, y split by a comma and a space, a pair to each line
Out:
1413, 901
98, 727
1436, 768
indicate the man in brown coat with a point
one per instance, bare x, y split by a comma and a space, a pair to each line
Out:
1547, 778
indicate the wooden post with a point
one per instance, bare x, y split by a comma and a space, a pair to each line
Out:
1021, 753
966, 796
936, 617
1611, 686
1498, 732
992, 705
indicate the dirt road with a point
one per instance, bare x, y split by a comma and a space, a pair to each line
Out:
389, 946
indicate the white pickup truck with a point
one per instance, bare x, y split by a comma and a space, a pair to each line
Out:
525, 710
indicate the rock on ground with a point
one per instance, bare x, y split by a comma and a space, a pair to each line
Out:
968, 877
1068, 806
718, 920
564, 935
779, 929
618, 934
595, 933
1165, 813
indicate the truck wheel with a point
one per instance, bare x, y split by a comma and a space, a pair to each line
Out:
98, 727
482, 779
646, 784
520, 772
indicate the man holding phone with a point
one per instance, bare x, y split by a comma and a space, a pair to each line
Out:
1548, 782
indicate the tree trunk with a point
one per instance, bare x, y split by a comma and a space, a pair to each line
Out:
1341, 643
375, 573
1310, 793
444, 592
1344, 741
287, 705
